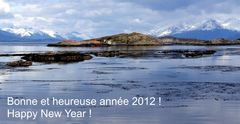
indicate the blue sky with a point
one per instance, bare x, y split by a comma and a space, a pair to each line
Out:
103, 17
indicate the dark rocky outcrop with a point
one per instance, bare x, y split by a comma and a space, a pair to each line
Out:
195, 53
57, 57
19, 63
107, 53
155, 53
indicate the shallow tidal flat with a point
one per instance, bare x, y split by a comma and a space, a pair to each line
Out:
194, 89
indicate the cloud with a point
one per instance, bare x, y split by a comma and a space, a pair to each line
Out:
4, 10
103, 17
164, 5
94, 18
4, 7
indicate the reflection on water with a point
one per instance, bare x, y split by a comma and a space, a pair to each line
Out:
190, 95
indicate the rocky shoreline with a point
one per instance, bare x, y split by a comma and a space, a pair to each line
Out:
155, 53
70, 57
138, 39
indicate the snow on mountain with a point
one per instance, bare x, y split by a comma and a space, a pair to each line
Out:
19, 31
28, 34
50, 33
208, 25
172, 30
206, 30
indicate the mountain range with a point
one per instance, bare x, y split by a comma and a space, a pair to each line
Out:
16, 34
207, 30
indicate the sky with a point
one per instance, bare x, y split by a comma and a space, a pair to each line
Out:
93, 18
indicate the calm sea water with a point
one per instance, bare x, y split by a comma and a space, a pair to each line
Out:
194, 91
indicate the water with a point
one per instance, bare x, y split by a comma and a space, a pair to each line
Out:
202, 90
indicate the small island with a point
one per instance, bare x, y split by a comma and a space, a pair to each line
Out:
139, 39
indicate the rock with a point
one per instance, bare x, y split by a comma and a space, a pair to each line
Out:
194, 54
20, 63
155, 53
106, 53
57, 57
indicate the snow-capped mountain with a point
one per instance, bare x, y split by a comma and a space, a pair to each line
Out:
208, 25
207, 30
27, 34
171, 30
